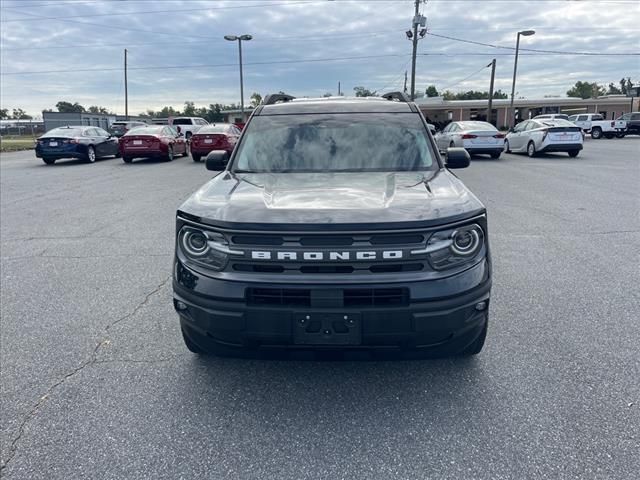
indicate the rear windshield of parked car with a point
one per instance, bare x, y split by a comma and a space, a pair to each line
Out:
215, 129
182, 121
63, 132
345, 142
477, 126
150, 130
559, 122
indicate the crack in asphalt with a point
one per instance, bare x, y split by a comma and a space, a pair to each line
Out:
13, 448
84, 257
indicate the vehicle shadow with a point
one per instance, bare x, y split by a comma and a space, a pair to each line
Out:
149, 161
69, 162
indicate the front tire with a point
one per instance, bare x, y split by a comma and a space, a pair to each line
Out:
196, 157
573, 153
596, 133
495, 155
620, 135
49, 161
170, 153
506, 147
531, 149
91, 154
127, 159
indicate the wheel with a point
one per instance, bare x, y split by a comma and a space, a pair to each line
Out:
476, 347
190, 344
196, 157
117, 154
127, 159
186, 150
596, 133
531, 149
91, 154
573, 153
49, 161
495, 154
170, 153
506, 146
620, 135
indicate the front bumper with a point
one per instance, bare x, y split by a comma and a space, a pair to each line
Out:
561, 147
442, 316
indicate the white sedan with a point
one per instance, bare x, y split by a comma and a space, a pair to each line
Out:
475, 137
538, 136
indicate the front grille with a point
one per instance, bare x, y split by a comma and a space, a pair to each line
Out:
324, 243
348, 297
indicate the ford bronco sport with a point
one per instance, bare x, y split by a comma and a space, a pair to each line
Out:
335, 225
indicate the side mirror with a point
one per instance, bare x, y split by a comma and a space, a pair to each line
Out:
217, 160
457, 158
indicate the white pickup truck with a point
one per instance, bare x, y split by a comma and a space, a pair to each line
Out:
595, 124
187, 125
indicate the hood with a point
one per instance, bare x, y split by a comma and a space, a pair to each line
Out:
299, 199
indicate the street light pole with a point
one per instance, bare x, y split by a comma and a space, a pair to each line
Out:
239, 39
524, 33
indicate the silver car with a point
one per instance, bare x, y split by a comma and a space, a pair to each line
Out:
474, 136
538, 136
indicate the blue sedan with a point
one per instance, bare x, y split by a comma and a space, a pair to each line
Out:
86, 143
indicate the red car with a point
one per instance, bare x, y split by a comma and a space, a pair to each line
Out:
220, 136
158, 141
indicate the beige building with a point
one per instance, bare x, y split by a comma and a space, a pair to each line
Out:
439, 111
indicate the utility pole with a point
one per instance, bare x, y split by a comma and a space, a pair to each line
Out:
126, 92
493, 76
405, 82
415, 49
339, 89
512, 113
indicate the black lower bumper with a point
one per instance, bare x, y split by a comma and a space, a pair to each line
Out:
441, 325
570, 147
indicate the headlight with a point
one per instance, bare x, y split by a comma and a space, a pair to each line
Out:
451, 248
205, 248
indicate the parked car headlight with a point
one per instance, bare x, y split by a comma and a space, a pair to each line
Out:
454, 247
204, 248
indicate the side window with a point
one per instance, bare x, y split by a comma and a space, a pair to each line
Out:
595, 118
572, 118
454, 127
92, 132
635, 116
583, 118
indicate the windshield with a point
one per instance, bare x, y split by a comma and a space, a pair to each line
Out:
182, 121
354, 142
145, 130
214, 129
559, 122
477, 126
63, 132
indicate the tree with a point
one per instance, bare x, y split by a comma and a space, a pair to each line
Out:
96, 109
613, 90
189, 109
20, 114
4, 113
256, 99
431, 91
473, 95
585, 90
68, 107
364, 92
625, 85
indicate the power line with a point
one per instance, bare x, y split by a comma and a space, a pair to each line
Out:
466, 78
163, 67
146, 12
552, 52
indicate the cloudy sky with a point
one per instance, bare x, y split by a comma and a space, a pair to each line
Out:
304, 47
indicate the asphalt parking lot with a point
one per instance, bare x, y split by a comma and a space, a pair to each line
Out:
96, 382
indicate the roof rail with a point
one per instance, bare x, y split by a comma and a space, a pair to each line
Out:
399, 96
277, 97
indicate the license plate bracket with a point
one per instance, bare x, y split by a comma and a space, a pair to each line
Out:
320, 328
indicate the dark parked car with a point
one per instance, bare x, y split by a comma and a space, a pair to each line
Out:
220, 136
119, 128
152, 141
633, 123
335, 225
86, 143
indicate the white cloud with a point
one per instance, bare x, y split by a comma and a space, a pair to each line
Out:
191, 34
